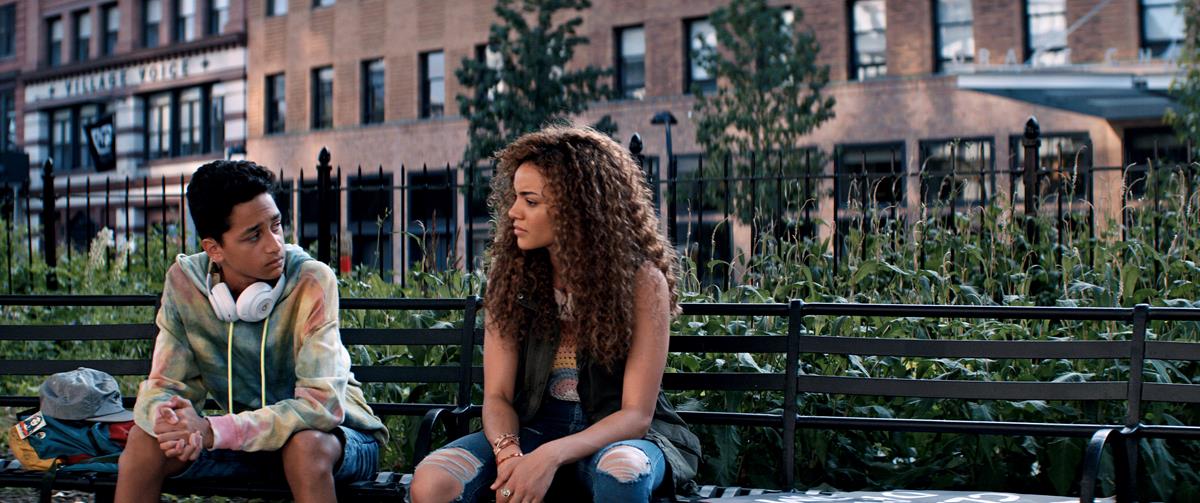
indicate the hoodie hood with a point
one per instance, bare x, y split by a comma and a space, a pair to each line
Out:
196, 267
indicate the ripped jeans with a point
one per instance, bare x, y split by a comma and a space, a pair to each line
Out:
628, 470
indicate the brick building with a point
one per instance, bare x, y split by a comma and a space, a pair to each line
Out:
163, 82
373, 80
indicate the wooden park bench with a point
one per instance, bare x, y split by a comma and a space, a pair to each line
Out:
785, 339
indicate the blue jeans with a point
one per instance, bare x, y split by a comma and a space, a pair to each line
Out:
555, 419
360, 460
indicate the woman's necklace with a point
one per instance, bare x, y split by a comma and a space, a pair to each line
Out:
565, 304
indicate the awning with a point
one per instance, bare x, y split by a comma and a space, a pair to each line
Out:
1110, 96
1111, 104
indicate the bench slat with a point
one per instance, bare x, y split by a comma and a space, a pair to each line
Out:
1157, 350
728, 344
47, 367
964, 348
735, 418
722, 381
969, 390
108, 332
1160, 392
948, 426
412, 374
401, 336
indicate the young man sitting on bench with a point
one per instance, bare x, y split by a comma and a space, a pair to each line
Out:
253, 324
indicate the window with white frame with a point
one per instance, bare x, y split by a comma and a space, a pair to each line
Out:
631, 62
870, 39
1046, 32
955, 35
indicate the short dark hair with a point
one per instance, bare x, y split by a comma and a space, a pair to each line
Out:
218, 186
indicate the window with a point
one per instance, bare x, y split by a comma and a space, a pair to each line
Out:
83, 36
957, 172
631, 62
431, 218
216, 124
310, 212
54, 41
8, 121
1151, 146
180, 123
370, 220
870, 175
955, 35
322, 98
87, 115
702, 41
493, 61
190, 126
276, 103
373, 92
323, 3
700, 233
68, 136
218, 16
8, 29
151, 18
869, 40
1059, 173
1046, 32
185, 20
433, 84
111, 17
1162, 26
61, 140
277, 7
158, 126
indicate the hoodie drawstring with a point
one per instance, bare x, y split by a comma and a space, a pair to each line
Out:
262, 366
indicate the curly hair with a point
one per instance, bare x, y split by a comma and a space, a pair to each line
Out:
605, 229
216, 187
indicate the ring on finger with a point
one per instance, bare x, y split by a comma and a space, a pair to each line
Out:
506, 492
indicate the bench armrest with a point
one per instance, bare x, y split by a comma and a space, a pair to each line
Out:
458, 418
1121, 440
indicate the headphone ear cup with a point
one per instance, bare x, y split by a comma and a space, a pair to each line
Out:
222, 303
255, 302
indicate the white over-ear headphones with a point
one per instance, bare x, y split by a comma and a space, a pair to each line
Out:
253, 305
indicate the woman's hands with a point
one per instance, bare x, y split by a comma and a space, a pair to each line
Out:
525, 479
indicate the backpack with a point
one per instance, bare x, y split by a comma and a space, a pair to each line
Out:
75, 446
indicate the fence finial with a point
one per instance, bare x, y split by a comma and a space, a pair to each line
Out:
635, 144
1032, 128
324, 156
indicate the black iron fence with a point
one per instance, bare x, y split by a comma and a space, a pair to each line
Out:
394, 220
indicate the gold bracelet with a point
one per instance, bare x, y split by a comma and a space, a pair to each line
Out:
505, 443
504, 439
508, 457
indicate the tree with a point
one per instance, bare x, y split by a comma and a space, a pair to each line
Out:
523, 83
1186, 88
769, 95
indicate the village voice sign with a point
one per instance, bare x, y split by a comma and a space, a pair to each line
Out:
127, 79
901, 497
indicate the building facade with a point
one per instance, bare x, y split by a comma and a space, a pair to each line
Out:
144, 90
920, 86
373, 81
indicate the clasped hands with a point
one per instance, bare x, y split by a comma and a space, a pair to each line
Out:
181, 432
524, 479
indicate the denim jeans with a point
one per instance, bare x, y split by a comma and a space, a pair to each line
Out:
557, 419
360, 460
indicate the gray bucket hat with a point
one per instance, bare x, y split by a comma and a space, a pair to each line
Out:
83, 394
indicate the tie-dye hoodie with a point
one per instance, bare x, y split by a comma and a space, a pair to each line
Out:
307, 370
